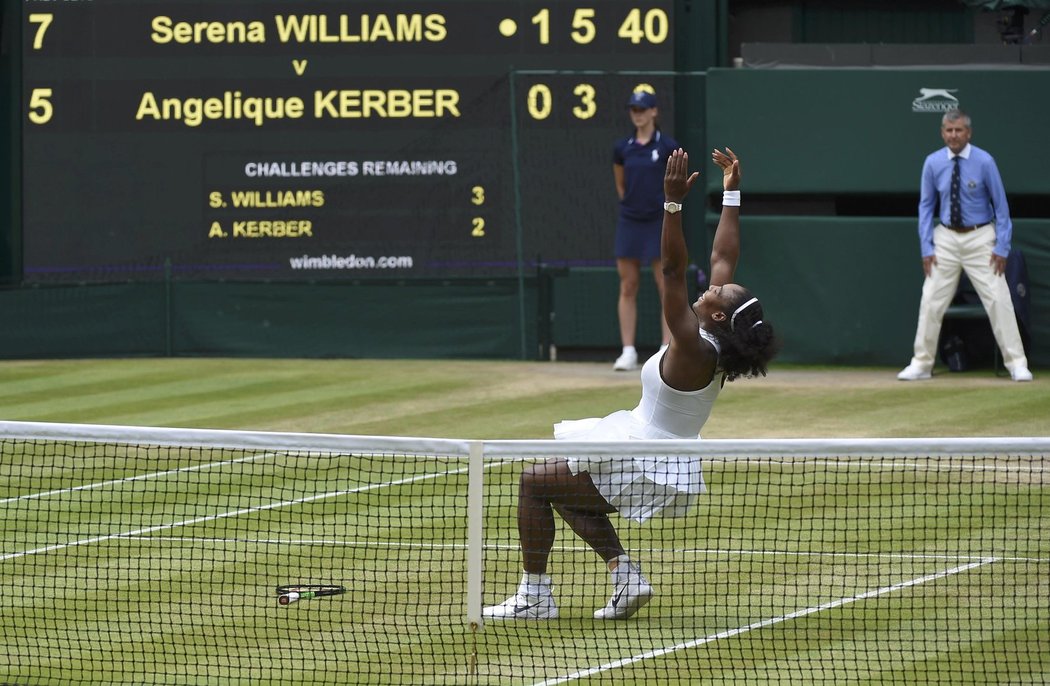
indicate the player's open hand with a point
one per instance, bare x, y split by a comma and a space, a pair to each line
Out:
730, 168
677, 179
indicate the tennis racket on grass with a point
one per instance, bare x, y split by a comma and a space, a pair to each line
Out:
286, 595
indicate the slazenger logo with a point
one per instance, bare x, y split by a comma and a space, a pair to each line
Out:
935, 100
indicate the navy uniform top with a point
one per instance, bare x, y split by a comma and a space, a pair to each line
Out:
643, 172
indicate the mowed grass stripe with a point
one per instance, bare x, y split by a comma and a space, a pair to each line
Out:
218, 401
181, 614
250, 488
949, 632
924, 409
223, 515
402, 398
138, 477
772, 621
72, 377
796, 402
142, 601
137, 505
168, 601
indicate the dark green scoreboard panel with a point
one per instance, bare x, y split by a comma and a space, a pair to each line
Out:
293, 139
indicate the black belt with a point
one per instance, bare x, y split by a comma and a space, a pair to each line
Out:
963, 229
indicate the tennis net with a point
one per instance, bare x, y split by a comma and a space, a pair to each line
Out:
145, 555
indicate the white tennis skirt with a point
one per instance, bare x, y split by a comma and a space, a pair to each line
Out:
638, 487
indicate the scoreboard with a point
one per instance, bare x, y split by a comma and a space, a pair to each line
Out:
302, 139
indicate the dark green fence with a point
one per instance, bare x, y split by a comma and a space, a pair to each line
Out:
422, 319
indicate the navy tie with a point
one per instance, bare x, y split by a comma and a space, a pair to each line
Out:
956, 203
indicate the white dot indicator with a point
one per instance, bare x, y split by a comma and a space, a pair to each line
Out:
508, 27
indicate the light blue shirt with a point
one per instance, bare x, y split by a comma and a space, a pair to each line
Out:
981, 194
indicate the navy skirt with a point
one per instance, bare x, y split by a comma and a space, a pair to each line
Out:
639, 239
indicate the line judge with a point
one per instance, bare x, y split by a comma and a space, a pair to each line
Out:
963, 183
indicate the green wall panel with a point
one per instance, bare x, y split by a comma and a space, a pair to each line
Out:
838, 290
407, 320
875, 21
854, 130
846, 290
106, 320
585, 310
403, 320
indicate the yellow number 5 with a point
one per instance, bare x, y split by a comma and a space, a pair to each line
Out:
40, 109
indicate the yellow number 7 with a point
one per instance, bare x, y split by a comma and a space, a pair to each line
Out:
44, 20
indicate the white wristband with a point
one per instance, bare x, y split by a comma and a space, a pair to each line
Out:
731, 198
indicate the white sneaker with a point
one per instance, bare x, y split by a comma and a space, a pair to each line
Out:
1020, 373
631, 590
627, 361
914, 372
520, 606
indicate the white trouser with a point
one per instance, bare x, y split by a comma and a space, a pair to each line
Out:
971, 252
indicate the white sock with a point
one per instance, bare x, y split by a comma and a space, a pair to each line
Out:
534, 584
623, 564
629, 349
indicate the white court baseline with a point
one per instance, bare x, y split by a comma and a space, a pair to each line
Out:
139, 477
224, 515
694, 643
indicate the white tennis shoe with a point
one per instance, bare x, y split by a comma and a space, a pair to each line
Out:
914, 372
627, 361
1020, 373
521, 606
631, 591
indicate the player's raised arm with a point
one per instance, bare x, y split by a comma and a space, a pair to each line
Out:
725, 249
674, 256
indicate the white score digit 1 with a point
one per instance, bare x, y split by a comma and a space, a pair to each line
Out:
542, 20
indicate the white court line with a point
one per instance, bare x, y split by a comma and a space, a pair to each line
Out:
235, 513
584, 549
764, 623
140, 477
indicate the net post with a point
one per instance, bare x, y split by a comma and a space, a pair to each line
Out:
475, 533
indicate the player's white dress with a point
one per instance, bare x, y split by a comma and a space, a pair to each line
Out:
641, 487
